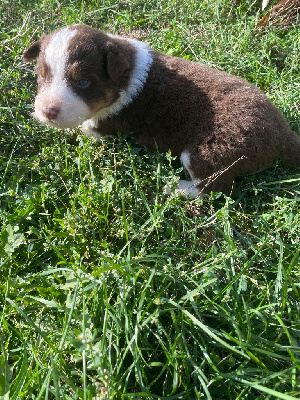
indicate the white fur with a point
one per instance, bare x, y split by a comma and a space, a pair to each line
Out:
56, 93
186, 162
137, 81
187, 189
56, 54
264, 4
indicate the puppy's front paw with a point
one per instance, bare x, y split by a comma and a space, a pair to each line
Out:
186, 189
167, 190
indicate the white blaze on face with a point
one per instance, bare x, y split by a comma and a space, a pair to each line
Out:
56, 94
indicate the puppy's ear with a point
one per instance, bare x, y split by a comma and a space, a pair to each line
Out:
32, 52
119, 60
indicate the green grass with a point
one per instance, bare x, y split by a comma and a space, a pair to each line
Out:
111, 290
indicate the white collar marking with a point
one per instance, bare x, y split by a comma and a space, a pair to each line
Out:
143, 62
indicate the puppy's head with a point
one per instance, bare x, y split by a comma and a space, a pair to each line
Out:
81, 71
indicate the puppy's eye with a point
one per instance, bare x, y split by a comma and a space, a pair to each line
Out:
83, 83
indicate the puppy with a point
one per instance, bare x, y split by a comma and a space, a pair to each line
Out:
219, 125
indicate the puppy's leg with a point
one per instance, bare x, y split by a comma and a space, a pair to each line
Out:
220, 181
207, 163
187, 189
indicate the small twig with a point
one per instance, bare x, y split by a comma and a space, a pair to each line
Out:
216, 175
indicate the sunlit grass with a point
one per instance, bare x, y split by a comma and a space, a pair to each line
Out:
109, 288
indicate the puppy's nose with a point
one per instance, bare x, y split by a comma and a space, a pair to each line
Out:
50, 112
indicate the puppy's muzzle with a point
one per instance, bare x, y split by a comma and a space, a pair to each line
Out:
50, 113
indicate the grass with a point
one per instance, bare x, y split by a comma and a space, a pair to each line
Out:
111, 290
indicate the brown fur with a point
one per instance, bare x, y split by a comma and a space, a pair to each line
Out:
108, 63
285, 11
222, 121
216, 117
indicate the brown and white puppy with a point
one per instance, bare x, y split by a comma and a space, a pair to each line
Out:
220, 126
